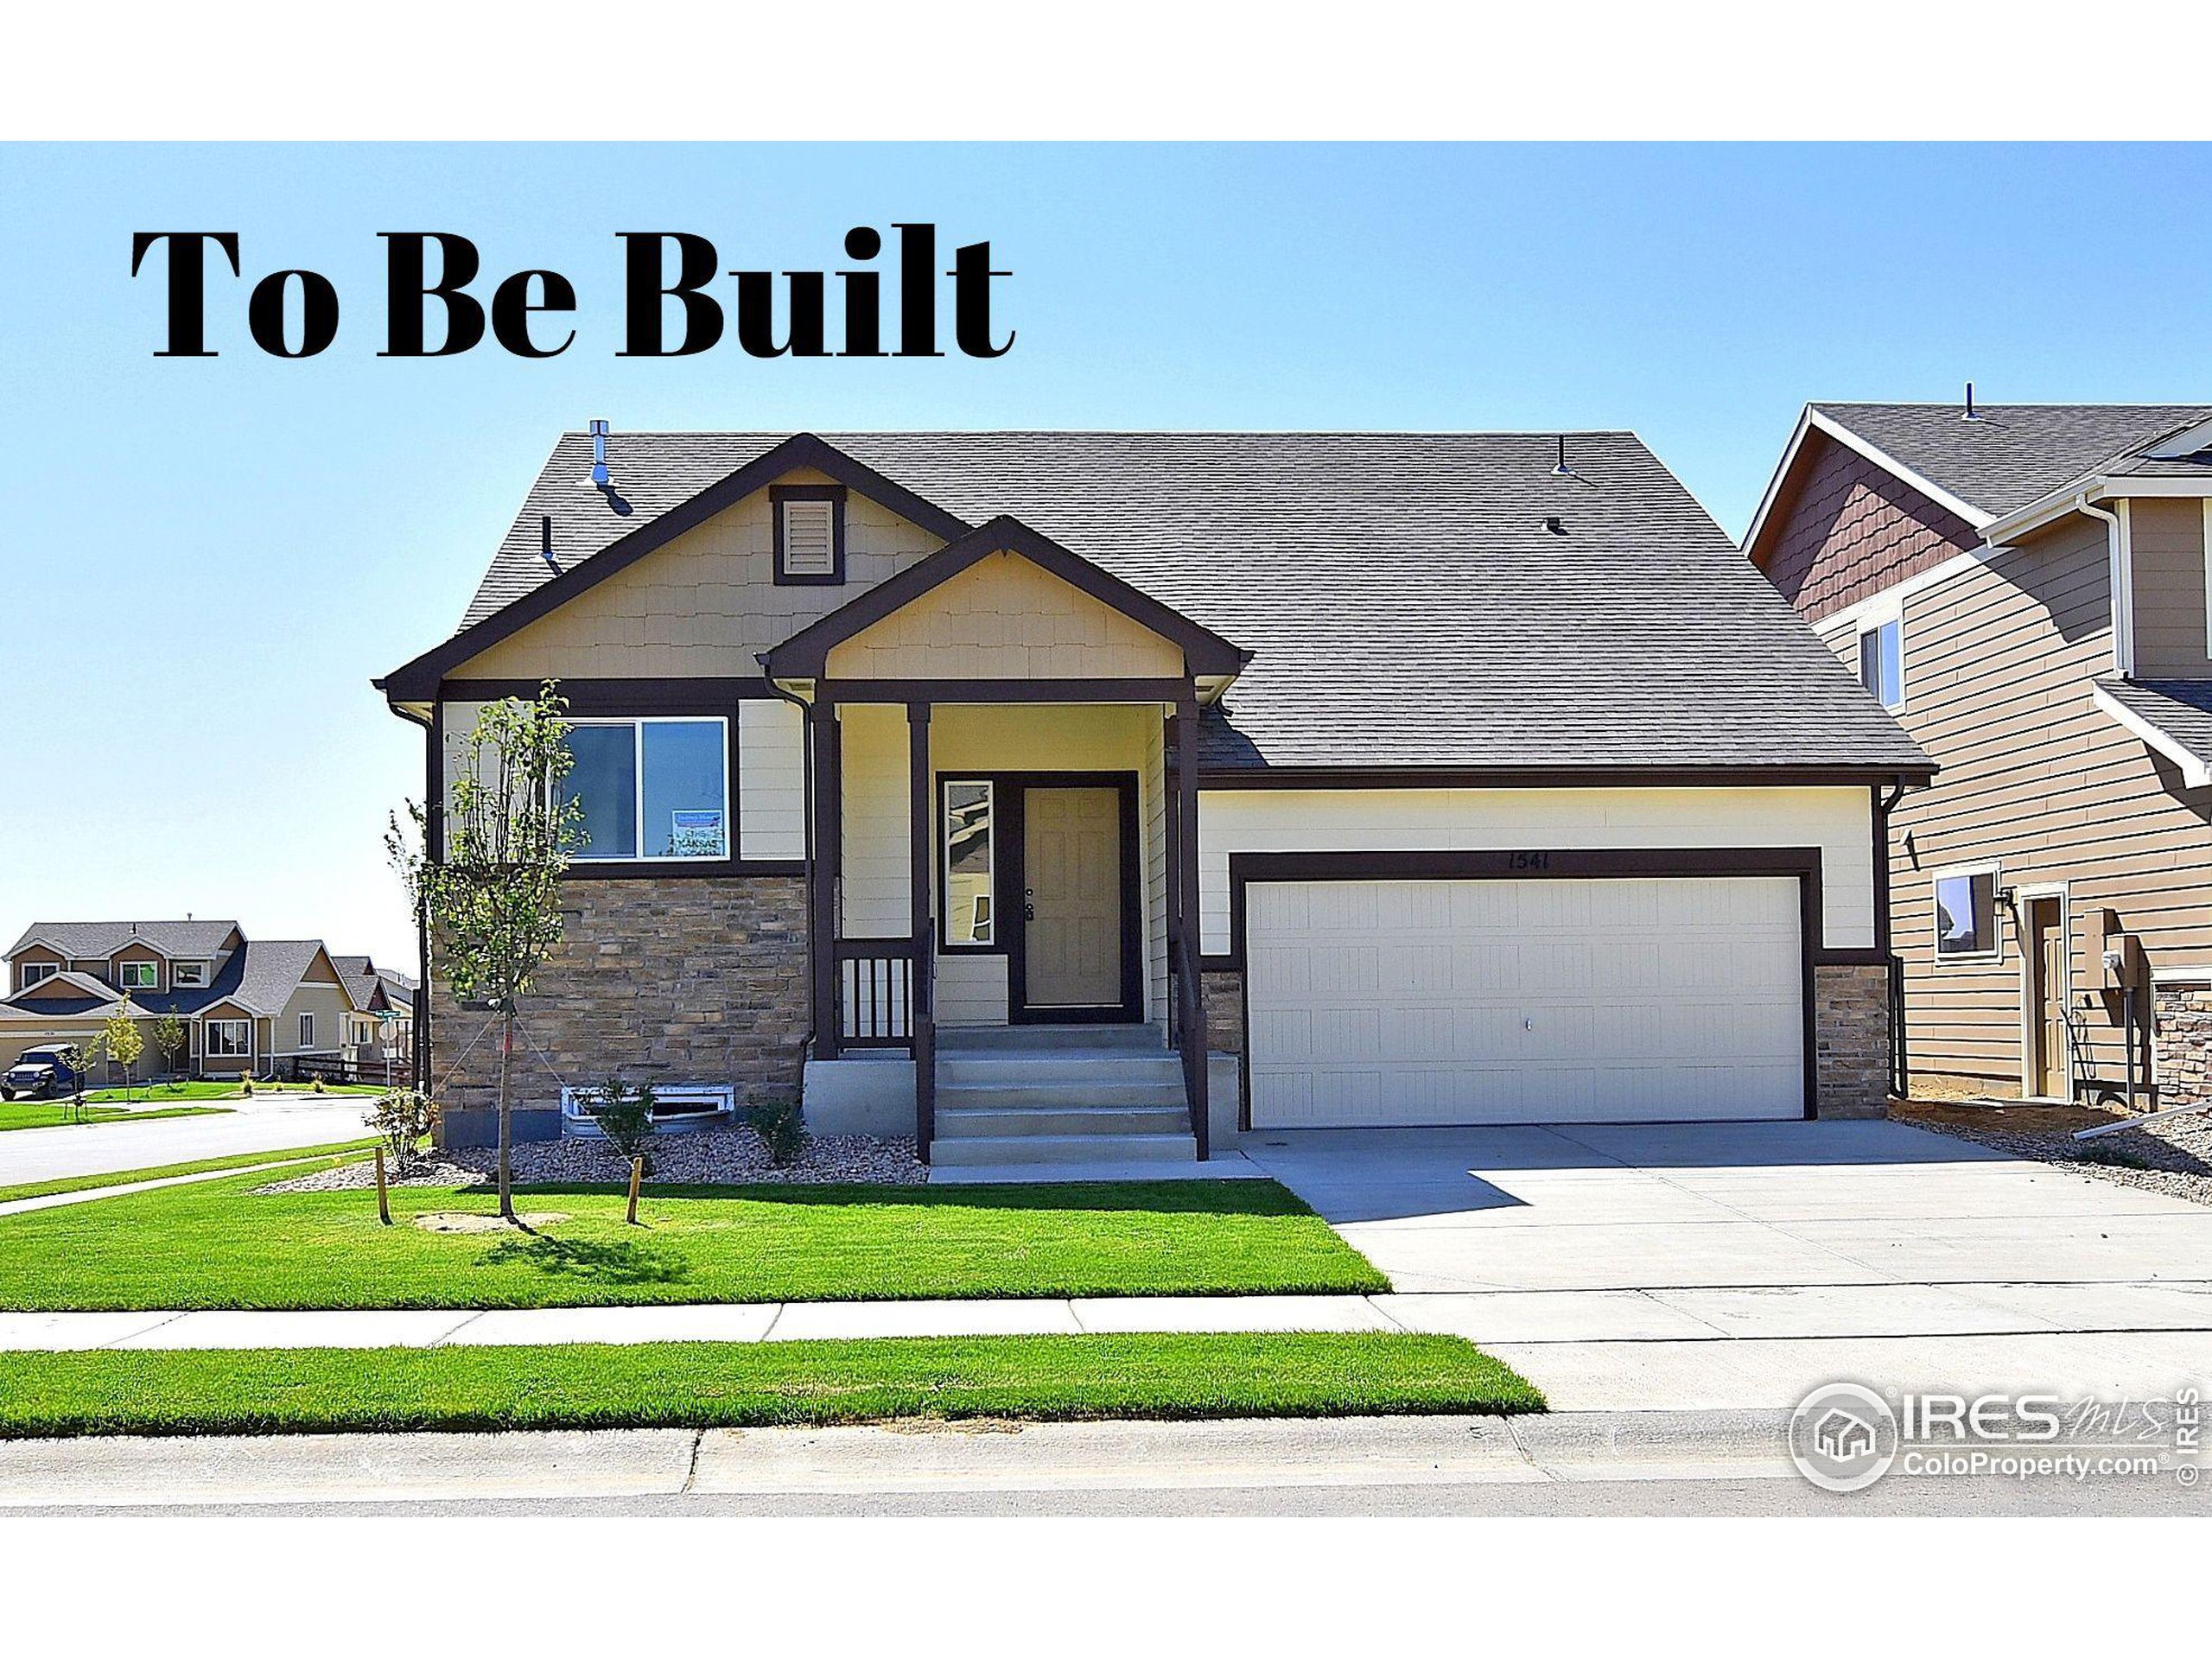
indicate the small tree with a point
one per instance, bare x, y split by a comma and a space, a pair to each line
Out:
170, 1041
490, 901
625, 1116
126, 1043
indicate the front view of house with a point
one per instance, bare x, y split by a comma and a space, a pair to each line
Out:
1079, 795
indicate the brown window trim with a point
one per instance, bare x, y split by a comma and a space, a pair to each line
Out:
834, 495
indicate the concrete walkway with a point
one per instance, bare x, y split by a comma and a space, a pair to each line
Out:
1739, 1266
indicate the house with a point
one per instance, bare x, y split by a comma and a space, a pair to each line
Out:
1042, 794
246, 1005
379, 1032
2024, 587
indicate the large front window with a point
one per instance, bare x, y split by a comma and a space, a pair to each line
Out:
229, 1039
968, 864
651, 789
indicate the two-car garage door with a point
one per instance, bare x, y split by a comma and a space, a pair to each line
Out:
1523, 1001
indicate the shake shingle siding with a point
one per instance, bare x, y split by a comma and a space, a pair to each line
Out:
1405, 602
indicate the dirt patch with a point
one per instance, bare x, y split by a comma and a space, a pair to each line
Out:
2029, 1118
463, 1221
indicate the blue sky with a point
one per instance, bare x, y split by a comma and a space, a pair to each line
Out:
203, 563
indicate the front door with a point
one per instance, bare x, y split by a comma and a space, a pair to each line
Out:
2047, 967
1071, 899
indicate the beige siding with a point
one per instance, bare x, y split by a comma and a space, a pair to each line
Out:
1999, 660
37, 953
2166, 549
1004, 617
1153, 807
1839, 821
329, 1005
877, 874
771, 781
703, 604
970, 990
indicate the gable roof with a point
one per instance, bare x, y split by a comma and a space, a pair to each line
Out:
68, 992
2011, 454
358, 976
806, 653
84, 941
1404, 601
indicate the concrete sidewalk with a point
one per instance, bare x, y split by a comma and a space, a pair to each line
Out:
1650, 1351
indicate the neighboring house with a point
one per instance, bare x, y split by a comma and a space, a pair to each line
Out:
2026, 589
245, 1005
1422, 778
379, 1028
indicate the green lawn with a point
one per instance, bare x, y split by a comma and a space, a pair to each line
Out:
218, 1244
197, 1166
46, 1114
188, 1091
719, 1384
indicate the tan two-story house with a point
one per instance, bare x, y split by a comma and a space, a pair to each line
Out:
2025, 588
1044, 795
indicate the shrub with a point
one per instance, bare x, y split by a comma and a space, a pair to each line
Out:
317, 1085
625, 1116
781, 1129
402, 1118
245, 1084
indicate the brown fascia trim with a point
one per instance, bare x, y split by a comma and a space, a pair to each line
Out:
703, 694
417, 680
806, 655
1554, 777
829, 693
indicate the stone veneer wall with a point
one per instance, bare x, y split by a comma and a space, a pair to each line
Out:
1851, 1035
1224, 994
2181, 1045
666, 979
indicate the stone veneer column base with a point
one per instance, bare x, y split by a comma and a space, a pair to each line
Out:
2181, 1045
1851, 1036
1224, 994
661, 979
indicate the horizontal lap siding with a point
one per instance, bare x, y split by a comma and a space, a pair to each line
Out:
1999, 664
2166, 546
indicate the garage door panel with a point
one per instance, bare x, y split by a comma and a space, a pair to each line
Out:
1471, 1002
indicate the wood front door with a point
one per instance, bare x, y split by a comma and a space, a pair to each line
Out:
1071, 899
2047, 1014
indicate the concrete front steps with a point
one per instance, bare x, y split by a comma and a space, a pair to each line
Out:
1059, 1095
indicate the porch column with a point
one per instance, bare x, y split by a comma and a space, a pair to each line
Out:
1186, 887
921, 993
821, 902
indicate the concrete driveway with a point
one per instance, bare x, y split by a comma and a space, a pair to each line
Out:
1707, 1265
265, 1123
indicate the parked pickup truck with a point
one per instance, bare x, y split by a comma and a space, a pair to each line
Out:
55, 1069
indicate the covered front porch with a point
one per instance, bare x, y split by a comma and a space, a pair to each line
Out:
1002, 871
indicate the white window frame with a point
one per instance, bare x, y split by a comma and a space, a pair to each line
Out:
1995, 953
122, 976
989, 786
637, 723
35, 973
679, 1103
1873, 622
198, 970
307, 1028
212, 1028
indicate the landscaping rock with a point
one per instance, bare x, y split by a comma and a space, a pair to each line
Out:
721, 1157
2173, 1157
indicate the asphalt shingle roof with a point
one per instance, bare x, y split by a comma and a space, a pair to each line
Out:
87, 940
2180, 709
1405, 604
2013, 454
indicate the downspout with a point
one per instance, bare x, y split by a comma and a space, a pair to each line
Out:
2123, 579
806, 861
1892, 963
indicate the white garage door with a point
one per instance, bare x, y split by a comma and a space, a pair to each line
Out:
1524, 1001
